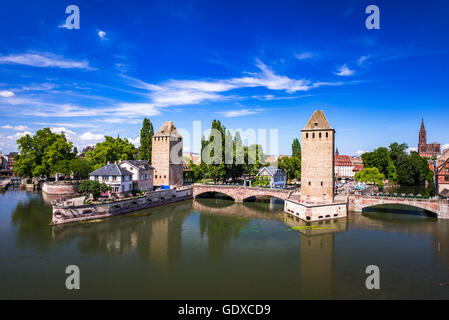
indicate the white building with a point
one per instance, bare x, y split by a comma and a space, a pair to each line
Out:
277, 176
344, 168
142, 173
116, 177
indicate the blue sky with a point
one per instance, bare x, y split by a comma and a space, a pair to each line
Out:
251, 64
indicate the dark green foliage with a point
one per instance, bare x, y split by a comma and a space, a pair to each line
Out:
93, 187
146, 140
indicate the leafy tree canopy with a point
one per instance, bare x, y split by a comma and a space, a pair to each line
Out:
40, 154
111, 149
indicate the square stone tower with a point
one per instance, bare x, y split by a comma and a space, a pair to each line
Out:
317, 160
166, 156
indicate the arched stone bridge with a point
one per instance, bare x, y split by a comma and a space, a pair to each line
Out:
240, 193
438, 207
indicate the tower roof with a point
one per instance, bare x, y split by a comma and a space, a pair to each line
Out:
318, 121
168, 129
422, 124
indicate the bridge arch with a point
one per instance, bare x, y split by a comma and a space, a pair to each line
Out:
358, 203
202, 194
399, 207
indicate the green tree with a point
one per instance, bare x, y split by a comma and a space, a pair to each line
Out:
296, 148
40, 154
397, 151
93, 187
146, 140
370, 175
380, 159
291, 166
111, 150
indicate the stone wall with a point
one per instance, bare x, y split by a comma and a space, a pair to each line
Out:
316, 212
87, 212
60, 187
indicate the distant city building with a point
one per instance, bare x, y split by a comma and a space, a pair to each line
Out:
142, 174
116, 177
86, 150
317, 153
344, 167
277, 177
424, 149
195, 158
3, 162
357, 162
167, 156
10, 157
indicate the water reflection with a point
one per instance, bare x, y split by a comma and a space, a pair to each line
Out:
185, 245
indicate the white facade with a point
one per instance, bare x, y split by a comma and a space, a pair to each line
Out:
344, 171
116, 183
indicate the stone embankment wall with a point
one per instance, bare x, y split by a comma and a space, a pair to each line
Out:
60, 187
153, 199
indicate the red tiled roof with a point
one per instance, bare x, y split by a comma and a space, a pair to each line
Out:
341, 160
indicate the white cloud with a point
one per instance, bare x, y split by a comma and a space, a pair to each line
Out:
102, 34
181, 92
445, 146
344, 71
408, 150
358, 153
63, 26
238, 113
6, 93
89, 136
304, 55
18, 135
135, 141
44, 60
17, 128
362, 59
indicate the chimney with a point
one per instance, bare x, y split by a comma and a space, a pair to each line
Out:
115, 162
109, 162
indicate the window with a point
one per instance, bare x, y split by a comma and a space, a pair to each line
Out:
313, 135
114, 178
320, 134
310, 183
321, 183
307, 135
446, 178
327, 134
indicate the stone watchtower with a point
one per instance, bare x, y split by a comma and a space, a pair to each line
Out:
317, 160
166, 156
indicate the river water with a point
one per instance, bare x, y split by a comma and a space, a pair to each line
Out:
214, 248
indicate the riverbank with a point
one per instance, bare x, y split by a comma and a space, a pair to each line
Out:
71, 211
